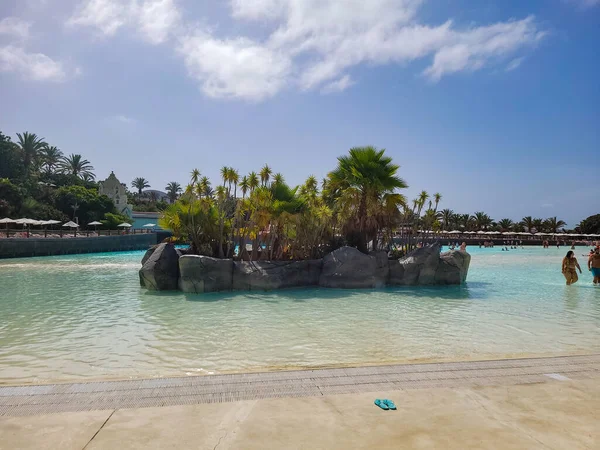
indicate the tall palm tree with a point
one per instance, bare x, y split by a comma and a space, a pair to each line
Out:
423, 197
265, 174
527, 222
538, 224
173, 190
482, 220
553, 225
140, 183
437, 197
204, 188
252, 181
234, 177
50, 157
372, 174
31, 145
506, 225
244, 186
195, 176
75, 165
225, 174
447, 216
278, 178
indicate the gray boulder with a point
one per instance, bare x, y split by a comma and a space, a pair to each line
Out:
382, 274
160, 272
270, 275
416, 268
453, 267
198, 274
148, 254
348, 268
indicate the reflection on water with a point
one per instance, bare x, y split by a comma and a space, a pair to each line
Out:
85, 316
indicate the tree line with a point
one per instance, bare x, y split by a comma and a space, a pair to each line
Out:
38, 181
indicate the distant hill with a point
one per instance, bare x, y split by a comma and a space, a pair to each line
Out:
160, 195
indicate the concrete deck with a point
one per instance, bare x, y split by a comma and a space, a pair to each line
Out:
555, 415
90, 396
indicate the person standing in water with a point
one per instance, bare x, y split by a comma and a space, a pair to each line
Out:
594, 265
569, 266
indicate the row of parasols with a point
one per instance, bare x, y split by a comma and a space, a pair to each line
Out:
511, 233
32, 222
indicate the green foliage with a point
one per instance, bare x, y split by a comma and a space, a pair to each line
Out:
87, 204
112, 220
591, 225
11, 159
12, 198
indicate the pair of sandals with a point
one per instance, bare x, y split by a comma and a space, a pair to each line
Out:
385, 404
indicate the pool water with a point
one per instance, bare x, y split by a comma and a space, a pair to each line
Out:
85, 317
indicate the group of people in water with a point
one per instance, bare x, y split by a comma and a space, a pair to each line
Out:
570, 265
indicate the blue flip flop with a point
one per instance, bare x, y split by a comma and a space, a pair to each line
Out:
381, 404
390, 404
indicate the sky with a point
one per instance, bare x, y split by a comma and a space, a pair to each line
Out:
493, 104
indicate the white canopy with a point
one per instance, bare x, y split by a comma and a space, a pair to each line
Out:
70, 224
507, 232
26, 221
124, 224
95, 222
149, 225
455, 232
50, 222
7, 220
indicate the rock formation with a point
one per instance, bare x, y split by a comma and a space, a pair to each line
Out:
160, 272
345, 268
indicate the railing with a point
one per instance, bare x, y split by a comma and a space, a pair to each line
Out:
34, 233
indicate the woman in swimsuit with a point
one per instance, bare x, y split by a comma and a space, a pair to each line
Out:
569, 266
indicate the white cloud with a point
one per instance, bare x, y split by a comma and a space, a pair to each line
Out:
105, 15
585, 3
123, 119
234, 68
311, 44
339, 85
33, 66
153, 19
514, 64
156, 19
15, 27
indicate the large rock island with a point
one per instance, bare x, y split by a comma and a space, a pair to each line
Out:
164, 268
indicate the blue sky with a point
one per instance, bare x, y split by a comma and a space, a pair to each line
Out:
495, 104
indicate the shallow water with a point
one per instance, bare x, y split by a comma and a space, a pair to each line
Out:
85, 316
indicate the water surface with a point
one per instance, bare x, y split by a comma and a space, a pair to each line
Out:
85, 316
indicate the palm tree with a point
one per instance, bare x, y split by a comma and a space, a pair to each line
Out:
31, 145
51, 157
506, 225
527, 222
482, 220
437, 197
204, 188
447, 216
538, 224
244, 186
234, 177
195, 176
278, 178
252, 181
225, 174
372, 174
553, 225
140, 183
265, 174
75, 165
423, 196
173, 189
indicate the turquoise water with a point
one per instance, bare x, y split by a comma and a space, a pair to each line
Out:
85, 316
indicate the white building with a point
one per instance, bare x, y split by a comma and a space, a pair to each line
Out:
117, 192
